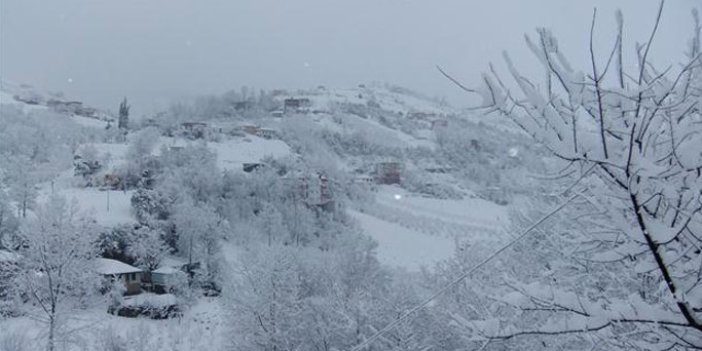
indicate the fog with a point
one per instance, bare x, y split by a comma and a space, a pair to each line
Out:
155, 51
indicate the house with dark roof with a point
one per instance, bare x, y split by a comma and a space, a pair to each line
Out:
294, 105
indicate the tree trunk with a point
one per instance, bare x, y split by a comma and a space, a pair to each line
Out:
52, 330
190, 262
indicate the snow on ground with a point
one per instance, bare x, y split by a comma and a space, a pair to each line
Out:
232, 154
414, 231
7, 256
325, 121
384, 96
202, 327
108, 207
469, 211
113, 152
7, 98
402, 247
89, 122
381, 134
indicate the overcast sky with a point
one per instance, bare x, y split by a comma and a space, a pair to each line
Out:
157, 50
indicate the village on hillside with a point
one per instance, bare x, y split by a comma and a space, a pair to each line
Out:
118, 181
241, 175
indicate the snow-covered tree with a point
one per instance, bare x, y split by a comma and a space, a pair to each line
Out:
270, 300
190, 172
271, 223
142, 144
113, 242
299, 219
631, 139
147, 248
287, 298
22, 181
123, 121
56, 263
149, 205
140, 163
200, 229
8, 223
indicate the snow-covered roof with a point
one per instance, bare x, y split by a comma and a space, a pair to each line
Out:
106, 266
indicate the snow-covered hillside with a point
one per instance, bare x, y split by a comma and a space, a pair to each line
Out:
30, 98
375, 112
390, 98
191, 173
559, 209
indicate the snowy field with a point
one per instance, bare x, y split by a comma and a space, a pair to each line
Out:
232, 154
107, 207
201, 327
472, 212
402, 247
414, 231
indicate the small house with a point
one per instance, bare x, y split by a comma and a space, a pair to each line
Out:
114, 270
87, 112
71, 107
293, 105
388, 173
227, 128
313, 189
364, 179
277, 113
165, 277
266, 133
250, 129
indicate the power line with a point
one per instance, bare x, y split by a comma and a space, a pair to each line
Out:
462, 277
